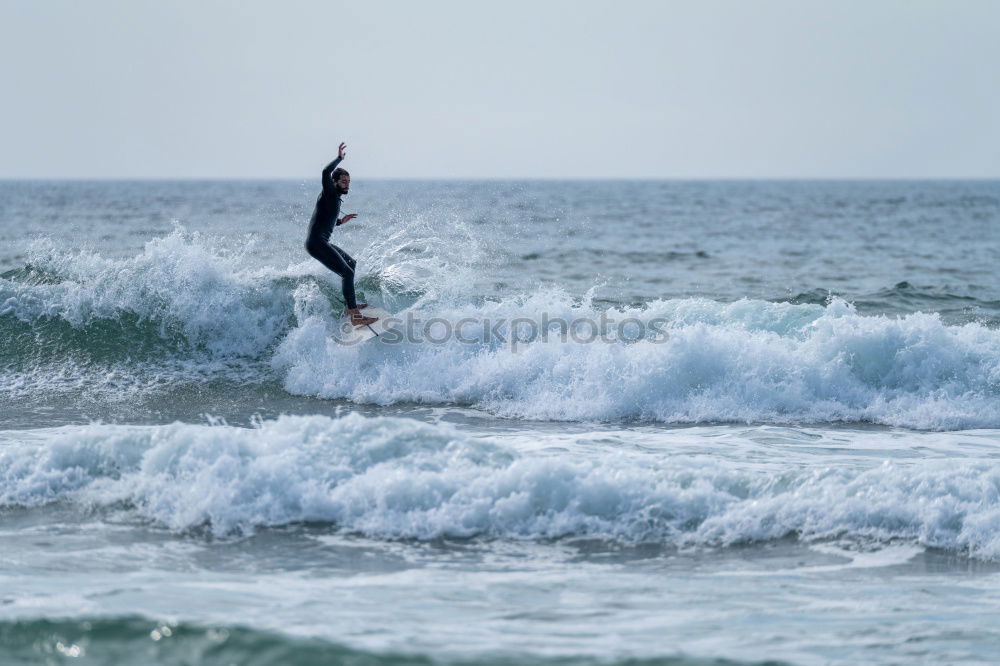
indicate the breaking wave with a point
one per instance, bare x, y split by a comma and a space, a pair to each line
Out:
183, 312
397, 478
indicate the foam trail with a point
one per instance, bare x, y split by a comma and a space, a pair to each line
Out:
396, 478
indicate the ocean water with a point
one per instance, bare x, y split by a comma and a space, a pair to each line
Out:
620, 423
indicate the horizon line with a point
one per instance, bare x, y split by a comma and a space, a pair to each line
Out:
507, 178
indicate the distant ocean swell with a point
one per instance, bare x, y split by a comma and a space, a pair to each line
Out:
182, 311
396, 478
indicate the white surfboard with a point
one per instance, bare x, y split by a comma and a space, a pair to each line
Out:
349, 334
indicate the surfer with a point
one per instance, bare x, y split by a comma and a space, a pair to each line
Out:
336, 183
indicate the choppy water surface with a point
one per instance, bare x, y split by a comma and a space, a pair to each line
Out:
787, 452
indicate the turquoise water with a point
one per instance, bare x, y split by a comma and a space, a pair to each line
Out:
788, 453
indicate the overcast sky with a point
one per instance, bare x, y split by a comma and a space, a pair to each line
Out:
469, 89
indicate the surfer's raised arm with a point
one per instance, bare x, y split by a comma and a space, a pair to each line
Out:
328, 169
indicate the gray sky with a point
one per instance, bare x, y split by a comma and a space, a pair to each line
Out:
470, 89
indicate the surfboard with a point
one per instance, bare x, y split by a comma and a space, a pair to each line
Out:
347, 333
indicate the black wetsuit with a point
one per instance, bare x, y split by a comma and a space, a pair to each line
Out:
324, 219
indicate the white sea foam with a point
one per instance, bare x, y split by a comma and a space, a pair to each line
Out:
744, 361
193, 292
397, 478
751, 360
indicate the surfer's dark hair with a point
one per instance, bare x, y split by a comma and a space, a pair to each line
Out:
338, 172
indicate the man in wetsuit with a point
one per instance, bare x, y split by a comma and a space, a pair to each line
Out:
336, 183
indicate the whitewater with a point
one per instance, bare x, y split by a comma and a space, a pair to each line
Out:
182, 303
755, 422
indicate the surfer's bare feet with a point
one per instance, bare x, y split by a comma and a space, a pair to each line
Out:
358, 319
361, 306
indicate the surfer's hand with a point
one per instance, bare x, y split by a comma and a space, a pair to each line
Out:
341, 154
346, 218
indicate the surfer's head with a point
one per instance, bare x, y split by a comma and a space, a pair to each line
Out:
341, 180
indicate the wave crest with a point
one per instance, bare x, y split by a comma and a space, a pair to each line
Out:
396, 478
183, 311
749, 361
